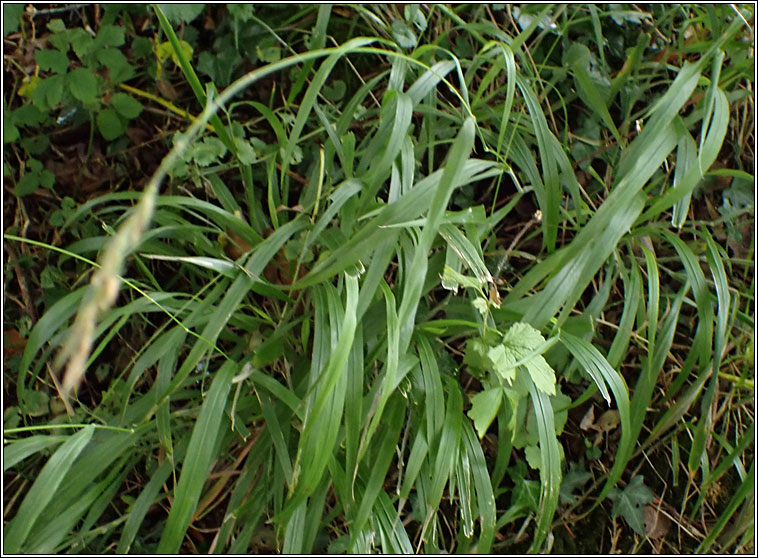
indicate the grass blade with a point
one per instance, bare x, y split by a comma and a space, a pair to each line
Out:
18, 450
44, 489
198, 461
550, 465
746, 488
385, 451
144, 501
602, 373
320, 428
485, 497
459, 153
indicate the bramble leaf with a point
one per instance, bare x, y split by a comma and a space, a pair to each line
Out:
109, 124
119, 69
83, 84
53, 60
12, 18
126, 105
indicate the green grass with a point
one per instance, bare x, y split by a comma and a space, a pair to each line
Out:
367, 312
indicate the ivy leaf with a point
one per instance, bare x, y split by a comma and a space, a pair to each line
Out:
630, 503
82, 84
573, 480
484, 408
526, 495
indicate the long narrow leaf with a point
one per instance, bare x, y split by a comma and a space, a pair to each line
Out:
198, 461
44, 489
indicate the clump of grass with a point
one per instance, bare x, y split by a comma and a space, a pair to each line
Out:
392, 343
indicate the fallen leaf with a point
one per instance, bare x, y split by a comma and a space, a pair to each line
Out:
13, 343
608, 421
166, 89
657, 525
588, 420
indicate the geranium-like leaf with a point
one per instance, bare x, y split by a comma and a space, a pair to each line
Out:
484, 408
245, 151
542, 375
533, 456
502, 362
481, 305
523, 335
522, 339
450, 276
208, 151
